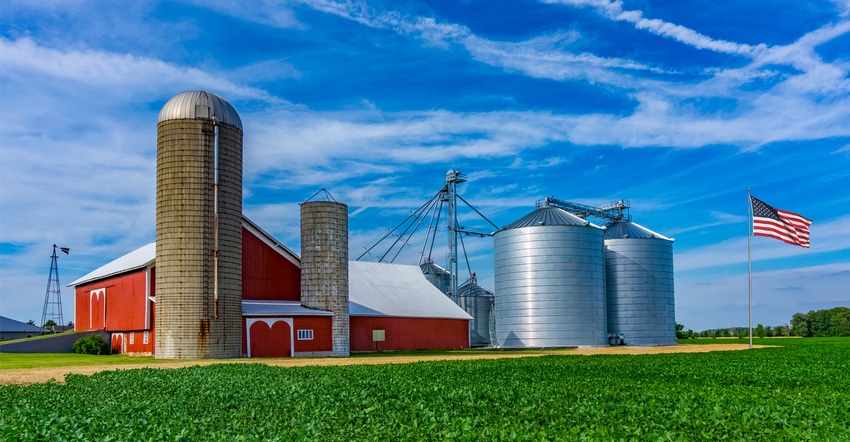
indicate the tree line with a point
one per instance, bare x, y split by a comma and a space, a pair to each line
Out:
822, 323
816, 323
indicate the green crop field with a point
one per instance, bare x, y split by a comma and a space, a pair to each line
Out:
800, 391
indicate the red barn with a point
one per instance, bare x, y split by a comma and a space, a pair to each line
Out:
392, 307
402, 306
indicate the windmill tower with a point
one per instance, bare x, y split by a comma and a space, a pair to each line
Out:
53, 295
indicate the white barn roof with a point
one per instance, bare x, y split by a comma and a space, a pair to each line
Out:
137, 259
380, 289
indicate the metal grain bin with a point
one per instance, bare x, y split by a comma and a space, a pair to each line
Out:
550, 281
198, 228
437, 276
478, 302
639, 273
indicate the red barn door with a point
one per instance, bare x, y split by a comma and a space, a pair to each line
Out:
270, 342
117, 343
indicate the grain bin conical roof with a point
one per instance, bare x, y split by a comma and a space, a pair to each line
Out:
628, 229
471, 288
548, 216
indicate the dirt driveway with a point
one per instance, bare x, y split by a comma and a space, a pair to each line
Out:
38, 375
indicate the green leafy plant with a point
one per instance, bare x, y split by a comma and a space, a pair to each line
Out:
92, 345
799, 391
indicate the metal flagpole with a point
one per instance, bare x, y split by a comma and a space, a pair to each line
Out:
749, 259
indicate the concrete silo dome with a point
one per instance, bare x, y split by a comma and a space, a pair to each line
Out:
199, 104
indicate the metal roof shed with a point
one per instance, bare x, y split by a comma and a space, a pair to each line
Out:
393, 307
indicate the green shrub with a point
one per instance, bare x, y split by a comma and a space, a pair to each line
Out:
92, 345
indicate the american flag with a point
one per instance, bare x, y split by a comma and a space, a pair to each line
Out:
779, 224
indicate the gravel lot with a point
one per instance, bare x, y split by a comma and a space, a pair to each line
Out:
40, 375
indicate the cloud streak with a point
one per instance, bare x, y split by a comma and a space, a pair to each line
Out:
104, 69
540, 57
614, 11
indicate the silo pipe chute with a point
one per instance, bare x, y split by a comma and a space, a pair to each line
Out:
215, 215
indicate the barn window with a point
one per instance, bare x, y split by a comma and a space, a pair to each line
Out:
305, 335
145, 338
132, 337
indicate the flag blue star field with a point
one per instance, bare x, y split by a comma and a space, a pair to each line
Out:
779, 224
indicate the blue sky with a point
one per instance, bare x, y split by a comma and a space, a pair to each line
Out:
678, 107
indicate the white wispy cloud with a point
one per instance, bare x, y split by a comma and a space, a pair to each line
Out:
288, 138
542, 56
660, 118
139, 75
268, 12
614, 11
843, 7
291, 139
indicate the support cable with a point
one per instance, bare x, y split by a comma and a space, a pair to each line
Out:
435, 218
479, 213
466, 257
430, 201
415, 223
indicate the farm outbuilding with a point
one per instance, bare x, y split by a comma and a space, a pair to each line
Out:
12, 329
406, 310
390, 302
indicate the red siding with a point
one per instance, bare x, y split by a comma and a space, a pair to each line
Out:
321, 326
138, 345
409, 333
322, 333
125, 300
266, 275
88, 308
81, 309
128, 311
270, 342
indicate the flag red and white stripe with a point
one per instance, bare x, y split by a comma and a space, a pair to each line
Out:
779, 224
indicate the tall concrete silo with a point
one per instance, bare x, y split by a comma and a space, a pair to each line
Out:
198, 228
550, 281
324, 266
639, 273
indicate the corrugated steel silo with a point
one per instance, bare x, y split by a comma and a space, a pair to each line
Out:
639, 272
198, 228
478, 302
324, 266
550, 281
436, 275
